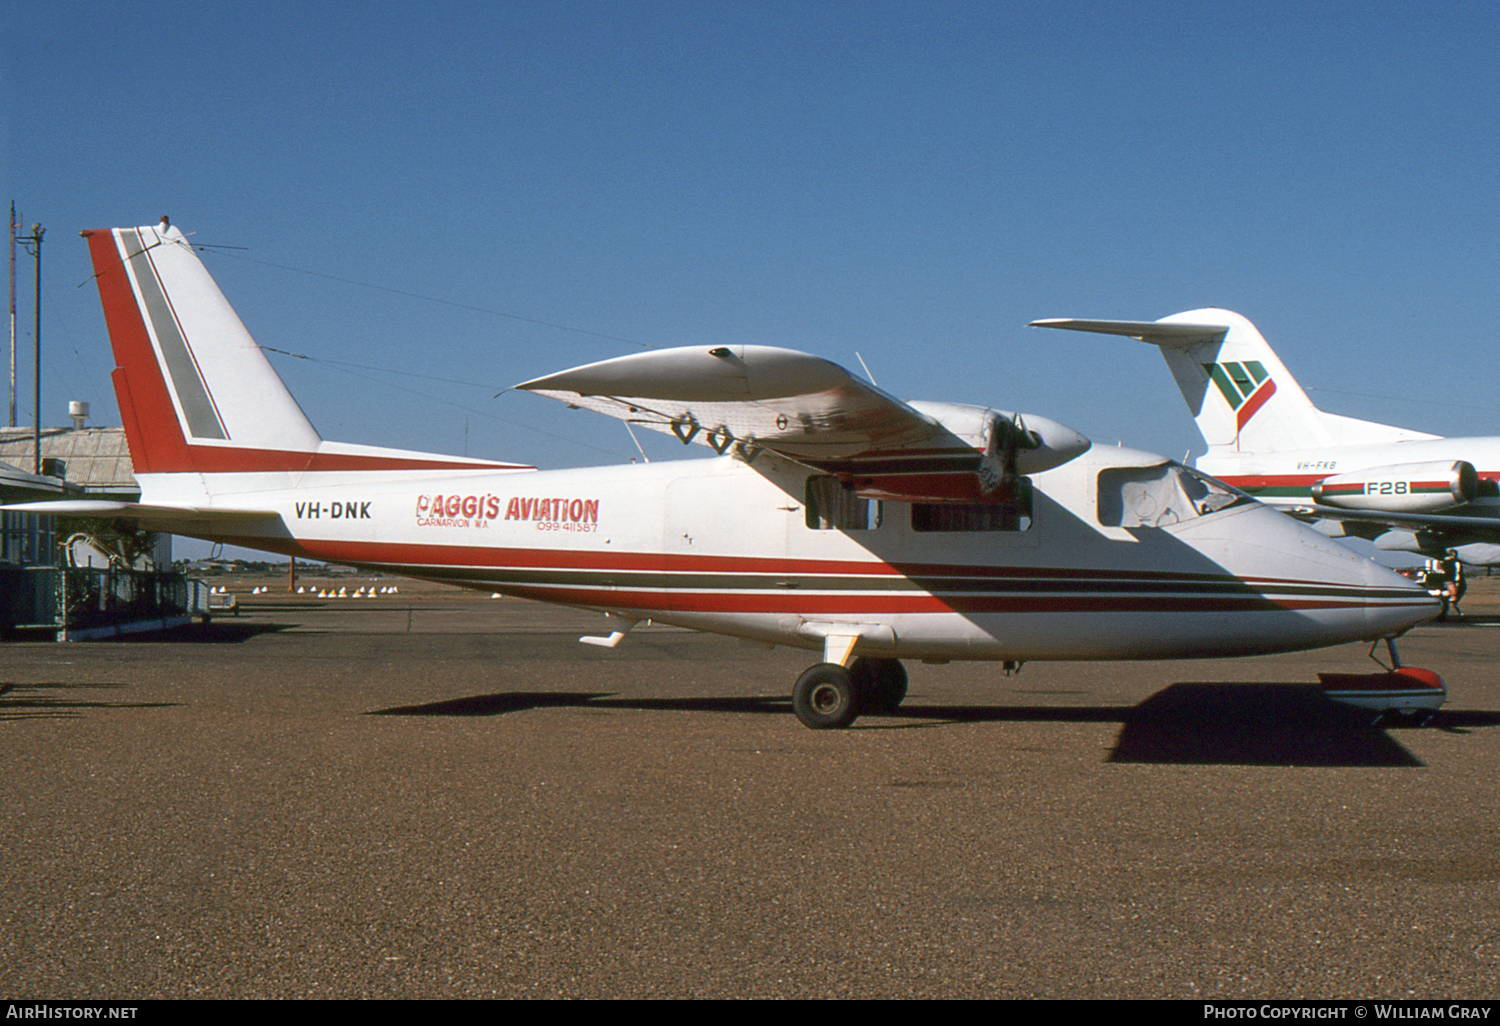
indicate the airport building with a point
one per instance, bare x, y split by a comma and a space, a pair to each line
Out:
75, 584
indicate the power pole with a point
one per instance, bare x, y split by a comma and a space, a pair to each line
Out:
12, 421
28, 241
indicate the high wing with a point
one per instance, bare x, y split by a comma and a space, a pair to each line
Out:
812, 411
779, 399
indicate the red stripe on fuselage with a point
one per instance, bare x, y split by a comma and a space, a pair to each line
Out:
485, 569
872, 604
416, 556
1248, 481
687, 600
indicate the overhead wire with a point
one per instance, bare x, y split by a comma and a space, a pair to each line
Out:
353, 368
224, 251
349, 368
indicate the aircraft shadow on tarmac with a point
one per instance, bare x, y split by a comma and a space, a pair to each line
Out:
1259, 724
520, 701
21, 702
216, 632
1466, 620
1250, 724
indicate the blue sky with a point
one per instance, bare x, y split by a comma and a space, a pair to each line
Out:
466, 195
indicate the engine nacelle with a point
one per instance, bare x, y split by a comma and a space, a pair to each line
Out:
1401, 487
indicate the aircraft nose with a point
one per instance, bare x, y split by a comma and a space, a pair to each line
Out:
1395, 603
1341, 595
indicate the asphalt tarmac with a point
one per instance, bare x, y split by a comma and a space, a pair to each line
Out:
439, 795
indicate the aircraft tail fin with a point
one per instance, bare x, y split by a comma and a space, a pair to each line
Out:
195, 391
197, 395
1241, 395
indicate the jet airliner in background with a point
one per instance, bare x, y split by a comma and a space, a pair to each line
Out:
830, 516
1404, 490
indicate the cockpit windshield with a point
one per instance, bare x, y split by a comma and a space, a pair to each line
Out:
1161, 495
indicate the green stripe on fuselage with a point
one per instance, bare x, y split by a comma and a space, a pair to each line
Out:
1277, 491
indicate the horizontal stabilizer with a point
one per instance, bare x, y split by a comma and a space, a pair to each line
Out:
1155, 332
158, 518
19, 483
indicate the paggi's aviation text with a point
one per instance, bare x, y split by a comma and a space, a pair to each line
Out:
549, 514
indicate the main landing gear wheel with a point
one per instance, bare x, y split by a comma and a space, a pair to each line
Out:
879, 683
824, 697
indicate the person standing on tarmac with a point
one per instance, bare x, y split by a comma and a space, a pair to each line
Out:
1454, 584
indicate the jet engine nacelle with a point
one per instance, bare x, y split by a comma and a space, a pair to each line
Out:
1401, 487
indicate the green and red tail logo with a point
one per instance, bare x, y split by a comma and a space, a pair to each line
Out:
1245, 387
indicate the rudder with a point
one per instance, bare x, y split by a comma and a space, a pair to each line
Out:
195, 391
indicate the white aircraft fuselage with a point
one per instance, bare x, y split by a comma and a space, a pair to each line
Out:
716, 545
835, 517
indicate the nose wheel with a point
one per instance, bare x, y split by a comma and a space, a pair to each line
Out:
829, 697
824, 698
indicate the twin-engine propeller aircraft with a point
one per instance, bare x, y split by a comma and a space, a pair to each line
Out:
833, 517
1404, 490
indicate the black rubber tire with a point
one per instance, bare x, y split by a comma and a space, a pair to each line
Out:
824, 697
879, 683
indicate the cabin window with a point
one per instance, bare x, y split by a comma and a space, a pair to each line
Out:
1160, 496
1013, 514
833, 506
